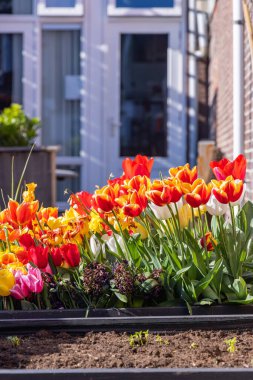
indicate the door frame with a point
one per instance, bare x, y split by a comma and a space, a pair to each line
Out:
24, 25
176, 122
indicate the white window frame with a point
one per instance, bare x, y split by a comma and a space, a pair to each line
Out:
43, 10
176, 121
175, 11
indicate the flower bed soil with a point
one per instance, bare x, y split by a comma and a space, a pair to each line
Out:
194, 348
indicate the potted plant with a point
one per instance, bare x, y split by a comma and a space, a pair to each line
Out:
17, 135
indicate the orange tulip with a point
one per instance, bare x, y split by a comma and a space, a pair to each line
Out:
184, 173
200, 193
141, 165
210, 241
159, 194
47, 212
228, 191
13, 234
23, 213
103, 199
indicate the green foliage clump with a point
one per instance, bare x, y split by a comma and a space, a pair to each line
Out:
16, 128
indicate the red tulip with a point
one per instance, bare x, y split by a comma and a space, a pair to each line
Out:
70, 254
56, 256
81, 202
225, 168
39, 256
26, 241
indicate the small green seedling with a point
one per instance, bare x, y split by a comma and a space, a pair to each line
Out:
194, 345
139, 338
231, 344
15, 340
159, 339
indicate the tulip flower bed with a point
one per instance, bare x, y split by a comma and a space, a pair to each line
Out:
135, 242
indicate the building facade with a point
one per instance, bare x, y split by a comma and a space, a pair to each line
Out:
108, 79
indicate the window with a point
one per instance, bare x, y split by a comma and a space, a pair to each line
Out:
60, 3
21, 7
11, 69
144, 8
60, 7
143, 108
144, 3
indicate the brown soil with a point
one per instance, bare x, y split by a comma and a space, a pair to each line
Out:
107, 350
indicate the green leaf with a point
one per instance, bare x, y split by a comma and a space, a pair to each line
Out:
203, 284
120, 296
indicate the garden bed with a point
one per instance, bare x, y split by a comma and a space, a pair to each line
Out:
193, 348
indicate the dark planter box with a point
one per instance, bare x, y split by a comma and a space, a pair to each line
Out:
133, 374
130, 320
154, 319
41, 170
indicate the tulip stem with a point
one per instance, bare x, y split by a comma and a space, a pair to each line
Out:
7, 239
123, 236
178, 232
222, 232
149, 232
204, 237
193, 223
232, 219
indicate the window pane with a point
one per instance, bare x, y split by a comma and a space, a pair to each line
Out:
10, 69
144, 3
60, 3
60, 102
16, 7
143, 94
67, 183
61, 109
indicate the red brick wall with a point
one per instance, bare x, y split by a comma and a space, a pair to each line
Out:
221, 85
248, 106
221, 76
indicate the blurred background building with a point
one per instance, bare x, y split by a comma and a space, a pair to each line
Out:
114, 78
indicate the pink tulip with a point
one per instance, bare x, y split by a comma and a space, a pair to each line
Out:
33, 279
20, 289
26, 284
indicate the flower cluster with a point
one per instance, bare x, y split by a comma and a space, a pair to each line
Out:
134, 238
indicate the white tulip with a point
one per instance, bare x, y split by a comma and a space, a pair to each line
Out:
95, 245
112, 243
214, 207
163, 212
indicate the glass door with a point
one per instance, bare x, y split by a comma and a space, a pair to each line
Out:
144, 106
61, 104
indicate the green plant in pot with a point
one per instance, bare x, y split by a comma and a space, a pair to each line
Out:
16, 128
21, 160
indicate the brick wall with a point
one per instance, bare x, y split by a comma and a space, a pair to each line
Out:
220, 76
221, 85
248, 106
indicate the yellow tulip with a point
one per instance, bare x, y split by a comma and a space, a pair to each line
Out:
140, 229
185, 215
7, 282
